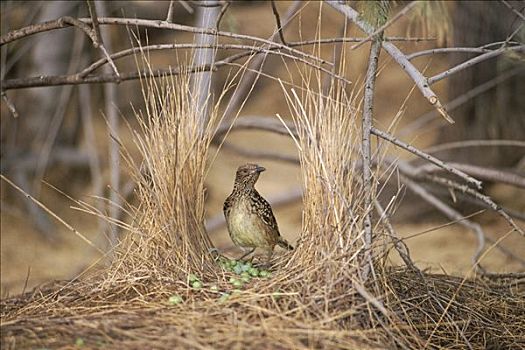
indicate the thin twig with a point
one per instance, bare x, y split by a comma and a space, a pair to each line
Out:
422, 120
94, 20
278, 21
10, 106
488, 174
58, 218
249, 79
450, 213
510, 7
426, 156
400, 246
171, 8
260, 154
388, 23
471, 62
447, 50
224, 8
110, 107
99, 42
397, 55
483, 198
186, 6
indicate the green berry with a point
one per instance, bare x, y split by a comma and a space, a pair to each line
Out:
246, 279
197, 284
264, 274
193, 277
214, 288
237, 269
224, 297
237, 283
254, 271
175, 299
79, 342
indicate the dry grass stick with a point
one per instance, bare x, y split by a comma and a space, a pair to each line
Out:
50, 212
86, 114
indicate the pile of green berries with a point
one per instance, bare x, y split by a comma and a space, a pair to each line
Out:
244, 271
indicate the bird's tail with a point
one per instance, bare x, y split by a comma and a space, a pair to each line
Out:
284, 244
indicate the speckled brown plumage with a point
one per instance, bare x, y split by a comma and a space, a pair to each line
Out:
249, 216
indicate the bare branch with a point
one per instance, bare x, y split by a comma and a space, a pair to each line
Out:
487, 174
472, 62
388, 23
459, 101
426, 156
510, 7
99, 42
397, 55
61, 23
94, 20
447, 50
260, 154
368, 107
186, 6
485, 199
278, 21
249, 80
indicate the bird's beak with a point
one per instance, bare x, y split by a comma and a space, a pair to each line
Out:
260, 169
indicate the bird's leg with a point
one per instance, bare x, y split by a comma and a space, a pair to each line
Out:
246, 254
268, 257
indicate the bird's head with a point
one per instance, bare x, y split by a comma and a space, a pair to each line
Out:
247, 175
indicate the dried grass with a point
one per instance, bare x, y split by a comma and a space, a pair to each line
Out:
314, 298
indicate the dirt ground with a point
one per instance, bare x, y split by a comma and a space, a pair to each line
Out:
28, 259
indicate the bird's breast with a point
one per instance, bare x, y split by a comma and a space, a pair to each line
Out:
245, 227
